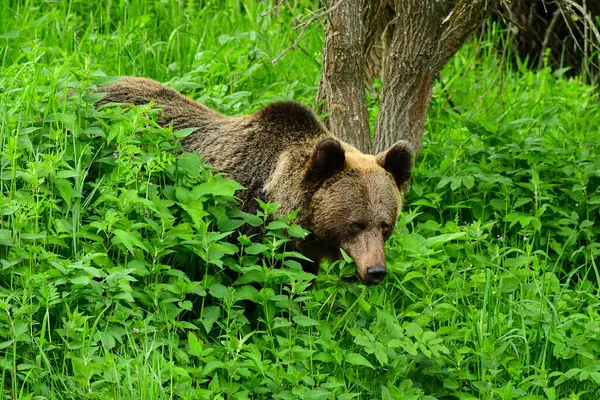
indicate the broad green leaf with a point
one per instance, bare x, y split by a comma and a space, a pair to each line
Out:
255, 248
303, 320
81, 280
246, 292
196, 211
412, 275
182, 133
195, 345
444, 238
357, 359
225, 188
128, 239
6, 237
218, 291
65, 188
210, 315
94, 97
468, 181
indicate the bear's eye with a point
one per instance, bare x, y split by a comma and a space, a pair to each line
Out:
386, 228
357, 227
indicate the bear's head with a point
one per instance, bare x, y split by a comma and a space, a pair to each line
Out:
356, 199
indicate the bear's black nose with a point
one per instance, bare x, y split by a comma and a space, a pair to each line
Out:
376, 274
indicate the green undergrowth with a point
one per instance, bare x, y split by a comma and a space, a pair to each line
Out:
127, 269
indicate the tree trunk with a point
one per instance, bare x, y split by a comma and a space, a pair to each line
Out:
424, 40
409, 73
344, 72
408, 42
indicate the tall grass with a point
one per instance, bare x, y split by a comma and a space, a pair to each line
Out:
115, 245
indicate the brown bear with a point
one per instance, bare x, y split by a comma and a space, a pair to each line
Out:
282, 153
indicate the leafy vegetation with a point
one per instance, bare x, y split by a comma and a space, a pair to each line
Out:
116, 247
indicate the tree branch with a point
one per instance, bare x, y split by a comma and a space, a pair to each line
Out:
569, 5
344, 73
306, 25
460, 23
549, 31
275, 7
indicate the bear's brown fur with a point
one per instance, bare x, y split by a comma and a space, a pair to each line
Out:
282, 153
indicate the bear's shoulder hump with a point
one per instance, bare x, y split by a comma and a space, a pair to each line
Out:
291, 116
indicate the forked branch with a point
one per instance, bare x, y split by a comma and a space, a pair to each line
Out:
465, 18
305, 26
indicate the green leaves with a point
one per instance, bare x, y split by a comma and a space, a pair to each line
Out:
256, 248
303, 320
130, 240
357, 359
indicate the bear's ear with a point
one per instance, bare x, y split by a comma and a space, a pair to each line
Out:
327, 159
398, 161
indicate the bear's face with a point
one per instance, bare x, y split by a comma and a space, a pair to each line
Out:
357, 200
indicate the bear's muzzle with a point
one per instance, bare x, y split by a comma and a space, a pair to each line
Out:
368, 253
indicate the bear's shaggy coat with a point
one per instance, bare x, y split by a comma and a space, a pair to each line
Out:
282, 153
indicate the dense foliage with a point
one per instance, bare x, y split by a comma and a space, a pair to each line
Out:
117, 248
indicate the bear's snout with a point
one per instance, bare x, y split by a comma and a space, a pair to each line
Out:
369, 256
376, 274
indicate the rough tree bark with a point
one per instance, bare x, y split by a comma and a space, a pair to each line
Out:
344, 72
409, 72
423, 42
416, 38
